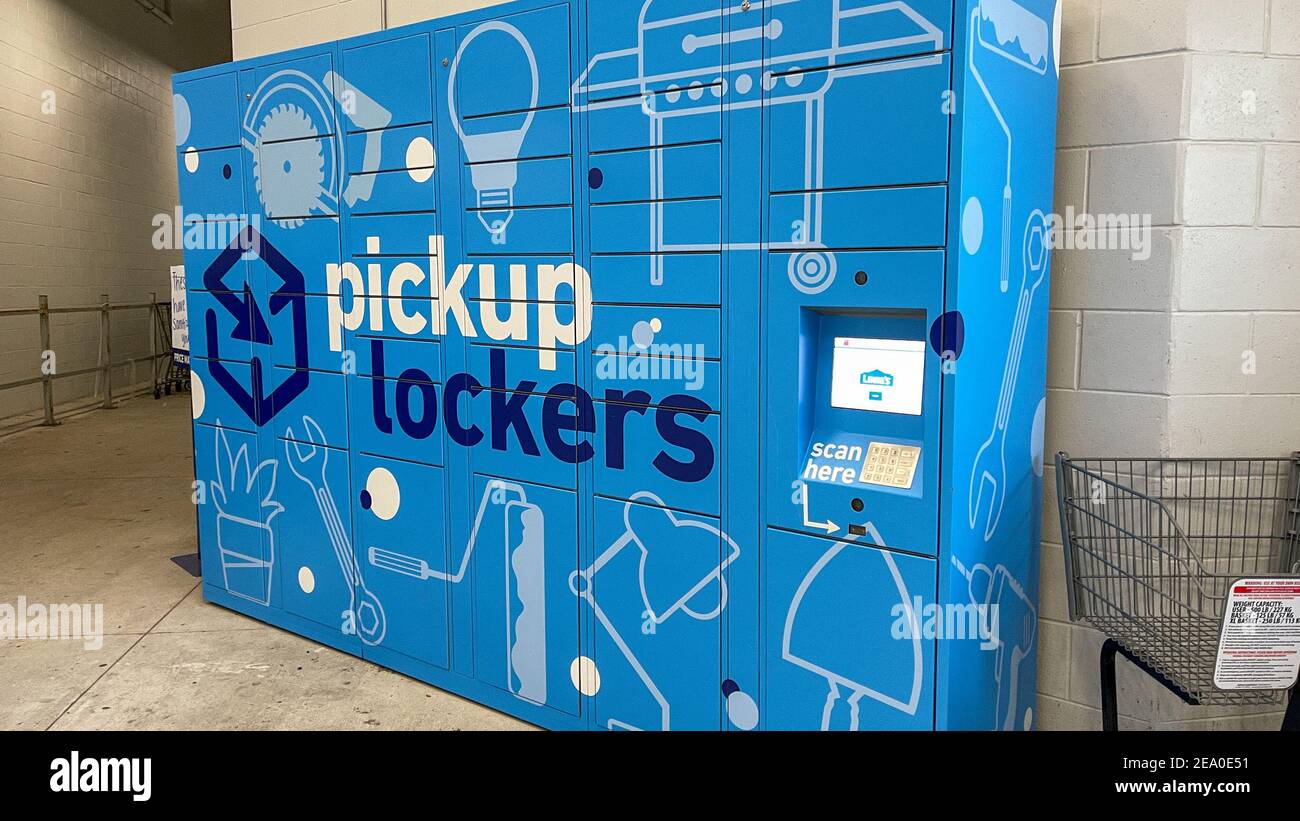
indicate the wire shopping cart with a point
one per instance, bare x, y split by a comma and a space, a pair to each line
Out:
1152, 547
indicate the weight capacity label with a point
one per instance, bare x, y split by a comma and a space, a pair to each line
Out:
1259, 647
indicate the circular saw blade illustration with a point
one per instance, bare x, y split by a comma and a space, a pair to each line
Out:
818, 609
680, 47
291, 130
289, 173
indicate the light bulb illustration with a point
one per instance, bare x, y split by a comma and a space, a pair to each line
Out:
493, 155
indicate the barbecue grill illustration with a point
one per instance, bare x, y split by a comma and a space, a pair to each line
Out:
677, 69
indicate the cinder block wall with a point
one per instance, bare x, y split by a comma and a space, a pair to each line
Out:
1186, 111
87, 158
261, 27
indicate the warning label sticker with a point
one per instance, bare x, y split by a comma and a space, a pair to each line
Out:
1259, 647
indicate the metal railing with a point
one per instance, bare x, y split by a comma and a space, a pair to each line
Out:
159, 347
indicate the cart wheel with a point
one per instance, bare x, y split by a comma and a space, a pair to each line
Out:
157, 393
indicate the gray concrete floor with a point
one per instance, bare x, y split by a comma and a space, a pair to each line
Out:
92, 512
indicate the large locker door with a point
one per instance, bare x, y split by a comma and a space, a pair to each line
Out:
652, 99
856, 137
390, 282
846, 645
517, 431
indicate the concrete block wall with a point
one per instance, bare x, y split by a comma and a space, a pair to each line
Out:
86, 161
1187, 111
260, 27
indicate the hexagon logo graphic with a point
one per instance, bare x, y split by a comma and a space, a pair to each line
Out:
251, 326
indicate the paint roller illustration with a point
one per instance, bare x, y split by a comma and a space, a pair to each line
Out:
524, 547
1015, 34
828, 638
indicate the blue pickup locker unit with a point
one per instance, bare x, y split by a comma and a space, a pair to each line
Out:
637, 364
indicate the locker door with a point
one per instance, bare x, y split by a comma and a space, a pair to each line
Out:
506, 103
237, 514
845, 646
313, 534
402, 556
656, 594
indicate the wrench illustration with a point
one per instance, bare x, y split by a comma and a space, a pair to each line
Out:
308, 460
990, 470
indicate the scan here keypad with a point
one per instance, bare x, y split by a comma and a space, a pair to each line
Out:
890, 465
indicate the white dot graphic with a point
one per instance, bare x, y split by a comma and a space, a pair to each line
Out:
585, 676
643, 333
385, 495
744, 83
420, 159
1029, 718
306, 579
972, 226
181, 117
742, 711
191, 159
198, 395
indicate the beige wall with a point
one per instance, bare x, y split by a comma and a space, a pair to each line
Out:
1186, 110
261, 27
86, 161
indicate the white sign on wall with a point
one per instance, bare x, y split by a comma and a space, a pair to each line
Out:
180, 316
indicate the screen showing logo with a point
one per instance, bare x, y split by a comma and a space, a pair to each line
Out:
884, 375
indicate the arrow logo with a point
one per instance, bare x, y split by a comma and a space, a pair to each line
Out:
251, 326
